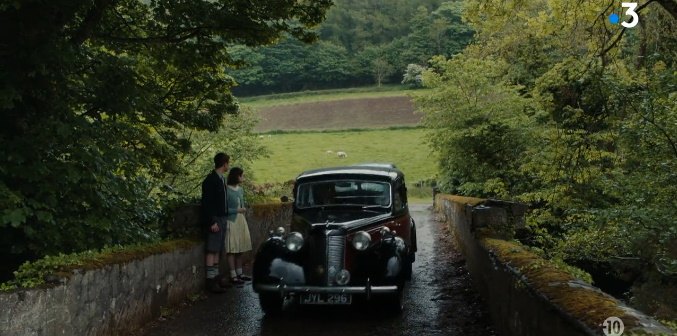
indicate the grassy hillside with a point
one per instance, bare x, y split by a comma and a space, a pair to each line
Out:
295, 152
354, 121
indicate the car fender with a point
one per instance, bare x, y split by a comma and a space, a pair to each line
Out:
393, 267
274, 263
393, 251
412, 237
289, 272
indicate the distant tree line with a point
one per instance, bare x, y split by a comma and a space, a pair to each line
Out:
361, 43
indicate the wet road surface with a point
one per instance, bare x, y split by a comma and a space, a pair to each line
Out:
438, 301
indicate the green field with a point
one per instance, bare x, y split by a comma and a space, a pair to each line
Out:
364, 134
296, 152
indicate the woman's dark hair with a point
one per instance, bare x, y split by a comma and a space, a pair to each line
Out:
233, 176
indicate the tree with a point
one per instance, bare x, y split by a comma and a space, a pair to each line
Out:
476, 125
600, 146
95, 97
438, 32
374, 62
291, 66
413, 76
381, 70
405, 32
357, 25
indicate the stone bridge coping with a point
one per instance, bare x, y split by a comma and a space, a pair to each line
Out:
529, 281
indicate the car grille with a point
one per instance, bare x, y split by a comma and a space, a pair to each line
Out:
335, 249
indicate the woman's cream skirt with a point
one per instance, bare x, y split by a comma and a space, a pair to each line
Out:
238, 239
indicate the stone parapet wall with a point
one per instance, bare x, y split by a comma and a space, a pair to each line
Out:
118, 298
111, 300
526, 294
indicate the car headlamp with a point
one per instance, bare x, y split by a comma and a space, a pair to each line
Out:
361, 241
294, 241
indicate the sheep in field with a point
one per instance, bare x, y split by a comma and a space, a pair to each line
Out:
342, 155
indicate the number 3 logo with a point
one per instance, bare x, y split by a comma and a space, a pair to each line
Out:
631, 6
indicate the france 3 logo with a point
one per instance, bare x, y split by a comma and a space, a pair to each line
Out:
634, 18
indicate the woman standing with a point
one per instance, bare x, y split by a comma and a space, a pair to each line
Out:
237, 239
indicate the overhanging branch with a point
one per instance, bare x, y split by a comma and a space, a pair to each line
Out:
622, 32
91, 20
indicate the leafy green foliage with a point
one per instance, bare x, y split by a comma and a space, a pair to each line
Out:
361, 42
582, 117
292, 66
98, 104
236, 138
413, 76
473, 127
360, 24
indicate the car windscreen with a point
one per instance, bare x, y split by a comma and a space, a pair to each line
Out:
343, 192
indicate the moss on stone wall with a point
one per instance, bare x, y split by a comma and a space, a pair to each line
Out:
127, 254
54, 270
459, 199
577, 299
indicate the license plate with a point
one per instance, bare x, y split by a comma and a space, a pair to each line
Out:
326, 299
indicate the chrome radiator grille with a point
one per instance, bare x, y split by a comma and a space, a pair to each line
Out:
335, 247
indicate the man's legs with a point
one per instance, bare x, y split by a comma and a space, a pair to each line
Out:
212, 270
214, 243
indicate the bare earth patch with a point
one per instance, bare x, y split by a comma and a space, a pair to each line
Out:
339, 114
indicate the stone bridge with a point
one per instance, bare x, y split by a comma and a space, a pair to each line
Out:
470, 278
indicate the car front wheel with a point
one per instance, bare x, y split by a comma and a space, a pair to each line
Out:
408, 266
394, 303
271, 303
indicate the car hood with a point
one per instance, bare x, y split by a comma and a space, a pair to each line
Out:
352, 225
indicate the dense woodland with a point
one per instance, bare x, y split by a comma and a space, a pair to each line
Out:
554, 106
101, 104
109, 107
106, 106
361, 43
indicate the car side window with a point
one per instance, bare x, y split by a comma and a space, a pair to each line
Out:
399, 197
397, 202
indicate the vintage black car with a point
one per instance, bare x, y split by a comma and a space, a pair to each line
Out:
351, 237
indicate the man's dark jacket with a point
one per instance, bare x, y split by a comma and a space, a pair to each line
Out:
213, 199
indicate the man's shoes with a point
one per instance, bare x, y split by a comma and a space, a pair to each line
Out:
236, 281
244, 277
213, 286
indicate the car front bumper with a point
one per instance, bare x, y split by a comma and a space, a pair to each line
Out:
284, 289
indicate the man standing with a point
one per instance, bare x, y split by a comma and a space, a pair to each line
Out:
214, 213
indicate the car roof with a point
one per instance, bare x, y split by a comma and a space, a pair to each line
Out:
382, 170
375, 164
